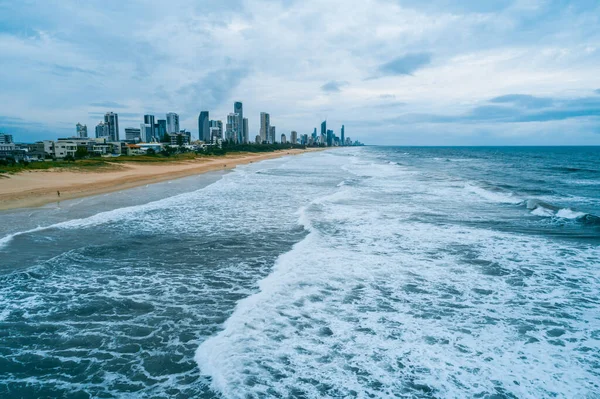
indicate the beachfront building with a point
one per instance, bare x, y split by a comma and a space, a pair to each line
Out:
232, 128
102, 130
283, 139
246, 131
343, 136
181, 138
133, 135
81, 130
172, 123
238, 109
272, 135
204, 127
257, 139
265, 123
294, 137
329, 138
112, 120
160, 128
147, 132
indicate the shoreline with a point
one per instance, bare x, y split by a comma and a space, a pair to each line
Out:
35, 188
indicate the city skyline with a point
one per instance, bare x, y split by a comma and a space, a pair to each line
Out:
502, 72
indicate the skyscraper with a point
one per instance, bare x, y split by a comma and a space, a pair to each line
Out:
204, 125
246, 131
265, 123
343, 136
329, 138
82, 131
112, 120
172, 123
160, 129
283, 139
272, 135
232, 127
294, 137
323, 128
102, 130
238, 108
216, 127
149, 131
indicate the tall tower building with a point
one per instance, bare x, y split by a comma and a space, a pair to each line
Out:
101, 130
238, 108
232, 127
172, 123
329, 138
265, 124
112, 120
216, 127
246, 131
323, 128
160, 129
149, 132
272, 135
204, 125
294, 137
82, 131
343, 136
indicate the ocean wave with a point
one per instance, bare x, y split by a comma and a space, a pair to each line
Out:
494, 195
544, 209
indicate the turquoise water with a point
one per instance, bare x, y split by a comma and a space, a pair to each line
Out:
358, 272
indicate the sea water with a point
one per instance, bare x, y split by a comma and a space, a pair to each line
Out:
376, 272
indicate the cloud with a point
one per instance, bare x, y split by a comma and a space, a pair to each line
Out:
108, 104
473, 66
333, 86
405, 65
523, 100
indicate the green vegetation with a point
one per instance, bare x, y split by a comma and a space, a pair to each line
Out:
10, 166
82, 160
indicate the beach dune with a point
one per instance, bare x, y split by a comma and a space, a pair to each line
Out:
39, 187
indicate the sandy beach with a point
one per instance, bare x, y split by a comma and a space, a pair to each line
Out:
36, 187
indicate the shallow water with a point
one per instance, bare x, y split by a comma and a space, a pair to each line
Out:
359, 272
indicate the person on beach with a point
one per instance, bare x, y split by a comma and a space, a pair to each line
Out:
58, 193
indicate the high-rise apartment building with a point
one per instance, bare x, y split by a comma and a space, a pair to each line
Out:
343, 136
216, 127
160, 129
204, 126
283, 139
329, 138
112, 120
294, 137
132, 134
238, 108
246, 131
102, 130
265, 124
149, 132
172, 123
272, 135
232, 128
82, 130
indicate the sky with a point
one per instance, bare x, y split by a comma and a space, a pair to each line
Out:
394, 72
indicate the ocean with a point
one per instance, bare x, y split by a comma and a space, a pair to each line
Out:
367, 272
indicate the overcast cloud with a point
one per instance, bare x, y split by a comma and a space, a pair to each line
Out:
393, 71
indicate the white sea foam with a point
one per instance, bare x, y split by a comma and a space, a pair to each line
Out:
494, 196
370, 304
569, 214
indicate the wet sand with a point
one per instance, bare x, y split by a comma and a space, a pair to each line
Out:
36, 188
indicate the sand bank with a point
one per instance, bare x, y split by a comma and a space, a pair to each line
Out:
39, 187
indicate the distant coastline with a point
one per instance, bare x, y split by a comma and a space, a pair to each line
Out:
33, 188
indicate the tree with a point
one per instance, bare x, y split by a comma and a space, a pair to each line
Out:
179, 140
166, 138
81, 152
150, 151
